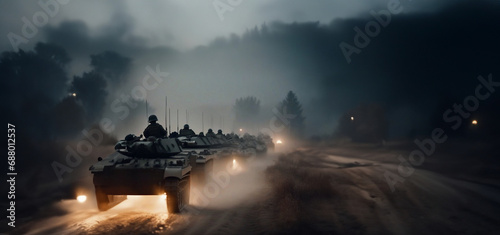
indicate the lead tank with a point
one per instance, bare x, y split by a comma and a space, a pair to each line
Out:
144, 167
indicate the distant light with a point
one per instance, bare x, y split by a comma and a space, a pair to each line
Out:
279, 142
241, 130
81, 198
474, 122
164, 196
235, 164
73, 94
352, 118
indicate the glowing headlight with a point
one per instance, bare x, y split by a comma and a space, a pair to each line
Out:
235, 164
81, 198
279, 142
164, 196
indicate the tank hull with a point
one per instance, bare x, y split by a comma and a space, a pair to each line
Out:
138, 181
150, 168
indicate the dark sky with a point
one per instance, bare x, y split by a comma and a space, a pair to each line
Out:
186, 24
427, 58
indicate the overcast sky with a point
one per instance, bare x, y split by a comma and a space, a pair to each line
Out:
186, 24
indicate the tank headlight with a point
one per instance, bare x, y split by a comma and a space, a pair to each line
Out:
81, 198
235, 164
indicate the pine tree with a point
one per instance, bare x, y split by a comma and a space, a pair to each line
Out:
291, 109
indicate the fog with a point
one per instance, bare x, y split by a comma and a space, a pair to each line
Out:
269, 59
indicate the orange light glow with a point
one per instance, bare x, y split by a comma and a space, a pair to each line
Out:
81, 198
235, 164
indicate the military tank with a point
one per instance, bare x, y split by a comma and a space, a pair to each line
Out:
267, 140
207, 150
196, 142
227, 149
203, 167
145, 167
251, 144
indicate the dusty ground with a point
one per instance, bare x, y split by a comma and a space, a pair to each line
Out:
307, 190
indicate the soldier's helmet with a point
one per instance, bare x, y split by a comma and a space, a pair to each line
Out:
210, 130
219, 131
186, 127
152, 118
129, 137
173, 135
201, 134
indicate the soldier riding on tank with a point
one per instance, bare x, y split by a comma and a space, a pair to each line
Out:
210, 133
186, 131
219, 134
154, 129
173, 135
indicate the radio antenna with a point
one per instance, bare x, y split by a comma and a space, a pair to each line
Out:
147, 113
166, 107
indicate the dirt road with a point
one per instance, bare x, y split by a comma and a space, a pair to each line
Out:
306, 191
